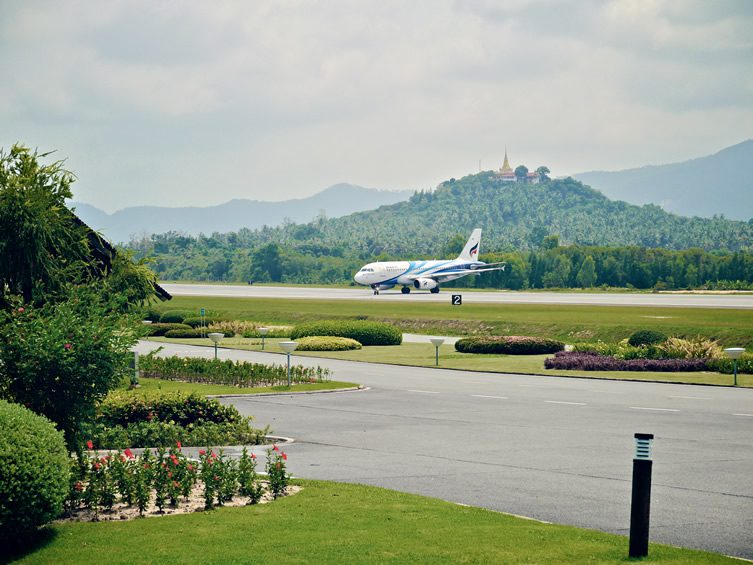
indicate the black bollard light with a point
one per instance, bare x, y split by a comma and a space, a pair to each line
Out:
640, 508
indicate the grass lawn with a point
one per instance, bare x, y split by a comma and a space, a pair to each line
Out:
422, 355
342, 523
569, 323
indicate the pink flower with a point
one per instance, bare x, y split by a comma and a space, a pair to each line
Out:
178, 444
202, 452
89, 444
253, 456
67, 346
21, 309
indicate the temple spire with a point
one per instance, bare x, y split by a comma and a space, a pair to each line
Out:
506, 165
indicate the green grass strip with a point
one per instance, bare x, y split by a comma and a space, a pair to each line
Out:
342, 523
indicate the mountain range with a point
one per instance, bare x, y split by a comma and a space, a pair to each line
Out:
139, 221
721, 183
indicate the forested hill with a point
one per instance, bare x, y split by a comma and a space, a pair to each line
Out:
518, 216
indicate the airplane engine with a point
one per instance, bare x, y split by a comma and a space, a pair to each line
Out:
425, 284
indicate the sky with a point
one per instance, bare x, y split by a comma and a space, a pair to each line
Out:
186, 103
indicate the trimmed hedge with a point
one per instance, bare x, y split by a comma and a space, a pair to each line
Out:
366, 333
646, 337
174, 317
327, 343
583, 361
273, 332
509, 345
34, 472
196, 322
161, 329
161, 419
188, 332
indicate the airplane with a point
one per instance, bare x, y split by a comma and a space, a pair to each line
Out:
426, 275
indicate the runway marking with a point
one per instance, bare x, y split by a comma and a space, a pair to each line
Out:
692, 397
750, 415
424, 391
563, 402
654, 409
534, 386
487, 396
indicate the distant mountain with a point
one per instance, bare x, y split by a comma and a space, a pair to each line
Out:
718, 184
335, 201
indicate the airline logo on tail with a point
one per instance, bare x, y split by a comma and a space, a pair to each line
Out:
474, 250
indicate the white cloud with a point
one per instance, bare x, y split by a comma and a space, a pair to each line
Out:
185, 102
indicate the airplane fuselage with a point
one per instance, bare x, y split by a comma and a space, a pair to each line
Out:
387, 274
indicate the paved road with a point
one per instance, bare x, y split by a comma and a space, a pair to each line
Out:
500, 297
551, 448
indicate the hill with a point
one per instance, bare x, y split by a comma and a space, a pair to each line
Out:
517, 216
337, 200
717, 184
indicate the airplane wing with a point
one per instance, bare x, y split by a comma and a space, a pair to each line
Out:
452, 275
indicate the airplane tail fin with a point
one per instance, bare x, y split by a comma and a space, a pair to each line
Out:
470, 251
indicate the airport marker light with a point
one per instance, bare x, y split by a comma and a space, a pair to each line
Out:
436, 342
288, 347
263, 332
734, 353
216, 338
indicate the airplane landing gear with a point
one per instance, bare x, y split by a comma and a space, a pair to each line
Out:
435, 290
405, 290
376, 290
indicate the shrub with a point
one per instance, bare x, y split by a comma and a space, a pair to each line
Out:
646, 337
173, 317
726, 366
233, 326
188, 332
510, 345
327, 343
152, 315
197, 321
227, 372
162, 419
33, 471
578, 361
161, 329
282, 331
366, 333
60, 360
693, 348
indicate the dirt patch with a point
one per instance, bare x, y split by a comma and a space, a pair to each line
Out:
194, 503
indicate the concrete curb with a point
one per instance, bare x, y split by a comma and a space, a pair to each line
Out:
257, 394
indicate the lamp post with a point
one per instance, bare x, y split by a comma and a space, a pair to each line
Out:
734, 353
436, 342
263, 332
640, 507
216, 338
288, 347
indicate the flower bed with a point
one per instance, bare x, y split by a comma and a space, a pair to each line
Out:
124, 485
587, 361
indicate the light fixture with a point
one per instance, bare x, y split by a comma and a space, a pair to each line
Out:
288, 347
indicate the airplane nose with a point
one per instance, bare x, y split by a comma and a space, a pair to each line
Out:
358, 278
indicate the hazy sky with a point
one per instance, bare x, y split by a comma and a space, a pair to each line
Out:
195, 103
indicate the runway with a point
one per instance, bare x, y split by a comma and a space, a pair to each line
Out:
679, 300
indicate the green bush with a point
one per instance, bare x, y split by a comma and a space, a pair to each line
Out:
161, 329
161, 419
196, 322
646, 337
366, 333
726, 365
327, 343
152, 315
174, 317
186, 333
34, 472
509, 344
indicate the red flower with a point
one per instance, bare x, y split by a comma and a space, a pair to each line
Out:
97, 465
146, 465
174, 459
21, 309
284, 456
169, 474
216, 478
89, 444
78, 486
178, 444
123, 458
67, 346
189, 467
202, 452
128, 453
253, 456
176, 484
214, 455
275, 448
